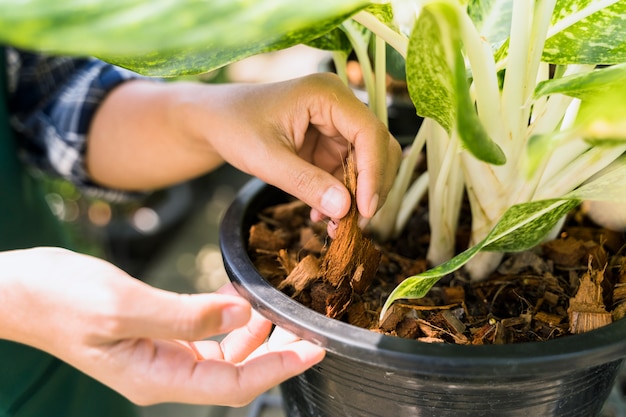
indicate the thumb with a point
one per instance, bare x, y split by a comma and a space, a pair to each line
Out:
166, 315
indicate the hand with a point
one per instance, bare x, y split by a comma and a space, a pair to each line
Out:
293, 134
146, 343
297, 137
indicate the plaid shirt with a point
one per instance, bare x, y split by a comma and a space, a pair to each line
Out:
51, 103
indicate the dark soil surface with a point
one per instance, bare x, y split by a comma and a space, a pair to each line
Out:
572, 284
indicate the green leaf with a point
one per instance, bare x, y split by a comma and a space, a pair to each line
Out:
437, 80
586, 84
384, 13
601, 118
609, 186
595, 39
165, 37
525, 225
396, 64
429, 76
521, 227
335, 40
492, 19
470, 129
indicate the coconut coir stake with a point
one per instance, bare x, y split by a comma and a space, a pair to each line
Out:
351, 262
347, 267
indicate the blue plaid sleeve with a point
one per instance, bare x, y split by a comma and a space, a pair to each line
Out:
52, 101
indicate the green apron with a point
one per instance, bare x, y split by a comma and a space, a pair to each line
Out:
33, 383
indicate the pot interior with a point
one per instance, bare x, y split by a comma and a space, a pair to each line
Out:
586, 350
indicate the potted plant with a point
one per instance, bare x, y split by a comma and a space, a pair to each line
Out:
523, 103
510, 93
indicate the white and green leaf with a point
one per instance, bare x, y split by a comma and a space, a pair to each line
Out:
429, 75
521, 227
437, 79
167, 38
586, 84
587, 32
608, 185
492, 19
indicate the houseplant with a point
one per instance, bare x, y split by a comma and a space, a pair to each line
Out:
513, 143
516, 365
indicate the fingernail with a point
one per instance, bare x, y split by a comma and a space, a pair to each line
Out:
332, 202
373, 205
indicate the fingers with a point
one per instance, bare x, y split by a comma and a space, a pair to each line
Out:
377, 177
336, 111
150, 372
312, 185
236, 384
154, 313
263, 372
240, 343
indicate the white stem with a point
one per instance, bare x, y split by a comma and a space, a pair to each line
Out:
360, 49
340, 60
488, 197
512, 91
445, 192
412, 197
578, 171
398, 41
567, 152
548, 118
383, 223
539, 105
539, 28
380, 74
482, 264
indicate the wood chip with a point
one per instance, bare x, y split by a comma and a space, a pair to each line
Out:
261, 237
302, 276
586, 310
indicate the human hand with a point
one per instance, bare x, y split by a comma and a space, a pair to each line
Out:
146, 343
293, 134
296, 135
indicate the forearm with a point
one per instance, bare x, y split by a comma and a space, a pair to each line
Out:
15, 313
140, 137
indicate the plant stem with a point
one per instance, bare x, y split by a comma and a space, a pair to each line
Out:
579, 170
487, 93
380, 74
360, 46
385, 224
340, 59
397, 41
445, 192
512, 91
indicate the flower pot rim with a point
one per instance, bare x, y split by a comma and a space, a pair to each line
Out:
558, 355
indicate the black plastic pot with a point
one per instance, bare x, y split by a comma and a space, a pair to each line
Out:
368, 374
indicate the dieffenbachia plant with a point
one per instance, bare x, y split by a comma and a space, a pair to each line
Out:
524, 100
526, 113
